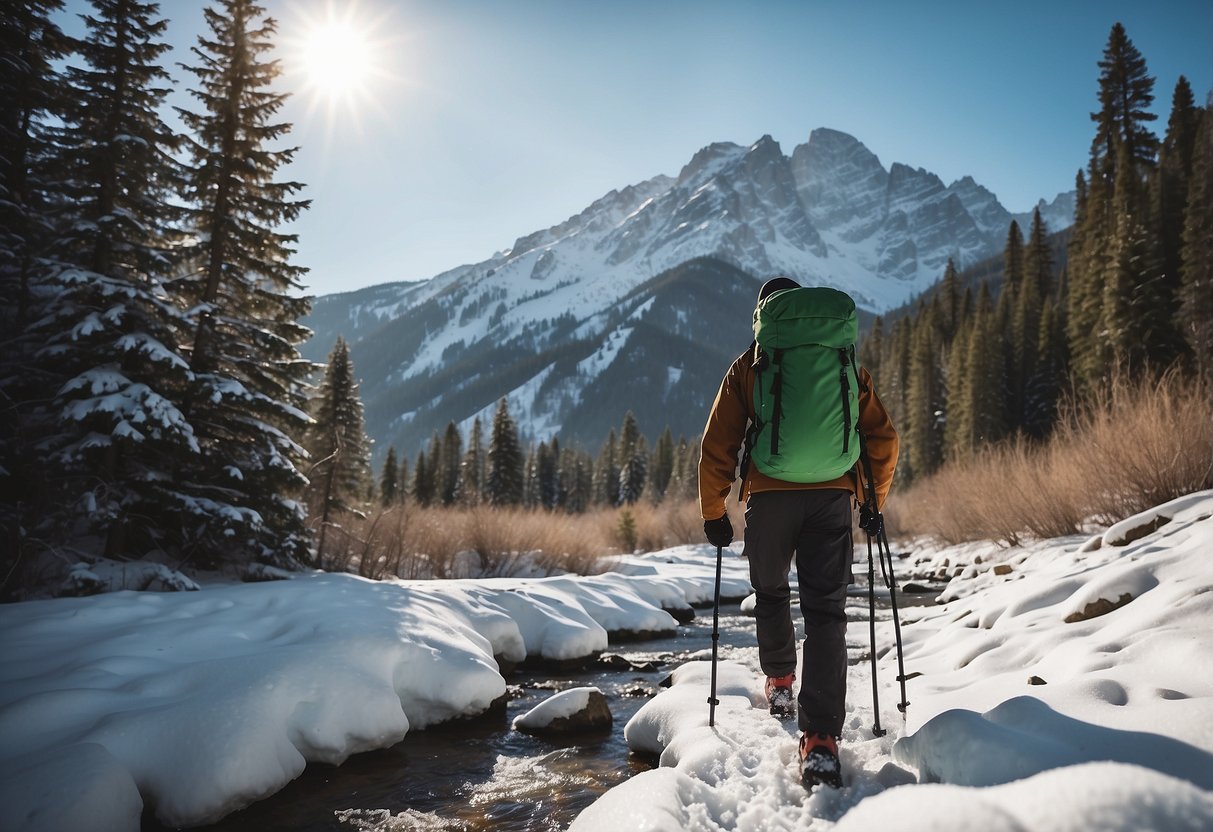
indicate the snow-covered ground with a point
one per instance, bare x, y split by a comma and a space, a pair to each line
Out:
1063, 685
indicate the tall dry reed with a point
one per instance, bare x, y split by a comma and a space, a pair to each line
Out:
1137, 444
415, 542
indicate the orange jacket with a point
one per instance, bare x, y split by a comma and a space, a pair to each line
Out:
724, 435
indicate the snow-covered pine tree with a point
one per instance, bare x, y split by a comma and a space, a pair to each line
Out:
338, 447
30, 189
112, 329
244, 298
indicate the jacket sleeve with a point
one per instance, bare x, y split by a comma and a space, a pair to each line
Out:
881, 437
723, 436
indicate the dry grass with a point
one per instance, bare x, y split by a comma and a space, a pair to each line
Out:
414, 542
1137, 445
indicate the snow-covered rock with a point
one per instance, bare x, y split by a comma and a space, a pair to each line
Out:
572, 711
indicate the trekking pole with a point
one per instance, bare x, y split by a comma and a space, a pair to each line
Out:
890, 579
891, 582
712, 701
876, 729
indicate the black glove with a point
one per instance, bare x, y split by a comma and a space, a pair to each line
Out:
870, 521
719, 531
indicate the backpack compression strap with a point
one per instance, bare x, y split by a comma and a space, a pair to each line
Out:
776, 405
845, 382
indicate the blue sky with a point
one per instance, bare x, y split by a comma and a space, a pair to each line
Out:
486, 120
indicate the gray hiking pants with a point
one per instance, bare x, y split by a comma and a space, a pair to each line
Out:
815, 525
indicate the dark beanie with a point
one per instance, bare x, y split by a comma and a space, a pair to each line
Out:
775, 284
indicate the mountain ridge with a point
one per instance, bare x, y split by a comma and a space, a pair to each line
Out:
447, 348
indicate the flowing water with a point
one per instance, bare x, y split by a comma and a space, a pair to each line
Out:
481, 775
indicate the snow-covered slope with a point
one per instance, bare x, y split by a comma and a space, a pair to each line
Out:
830, 214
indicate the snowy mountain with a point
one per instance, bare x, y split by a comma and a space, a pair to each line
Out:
640, 301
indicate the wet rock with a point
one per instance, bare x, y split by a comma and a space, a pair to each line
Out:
630, 636
683, 615
576, 711
1003, 569
614, 661
1036, 680
561, 665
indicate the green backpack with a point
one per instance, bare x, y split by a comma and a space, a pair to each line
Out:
806, 386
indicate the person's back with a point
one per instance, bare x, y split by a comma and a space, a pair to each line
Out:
789, 401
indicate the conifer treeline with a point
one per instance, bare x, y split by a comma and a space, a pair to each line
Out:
452, 472
1136, 294
152, 398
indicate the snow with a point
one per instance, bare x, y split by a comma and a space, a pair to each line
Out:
198, 703
1055, 686
1018, 719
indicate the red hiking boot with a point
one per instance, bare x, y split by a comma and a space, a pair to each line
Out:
819, 760
780, 697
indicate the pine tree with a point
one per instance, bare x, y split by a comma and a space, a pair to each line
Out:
530, 478
389, 479
949, 295
243, 293
1196, 292
633, 473
1126, 92
1012, 261
662, 468
337, 445
958, 431
986, 382
450, 464
547, 474
606, 473
471, 473
31, 188
423, 480
403, 480
504, 481
1126, 320
1024, 338
633, 462
871, 351
1045, 384
111, 328
926, 403
1087, 259
1174, 173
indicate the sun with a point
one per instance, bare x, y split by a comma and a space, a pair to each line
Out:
337, 57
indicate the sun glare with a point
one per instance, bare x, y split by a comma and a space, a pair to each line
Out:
339, 55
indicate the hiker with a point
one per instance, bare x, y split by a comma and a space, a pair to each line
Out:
796, 503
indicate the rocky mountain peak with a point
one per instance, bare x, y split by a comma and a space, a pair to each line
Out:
573, 320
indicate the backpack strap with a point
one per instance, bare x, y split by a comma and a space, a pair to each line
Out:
777, 395
845, 382
758, 364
